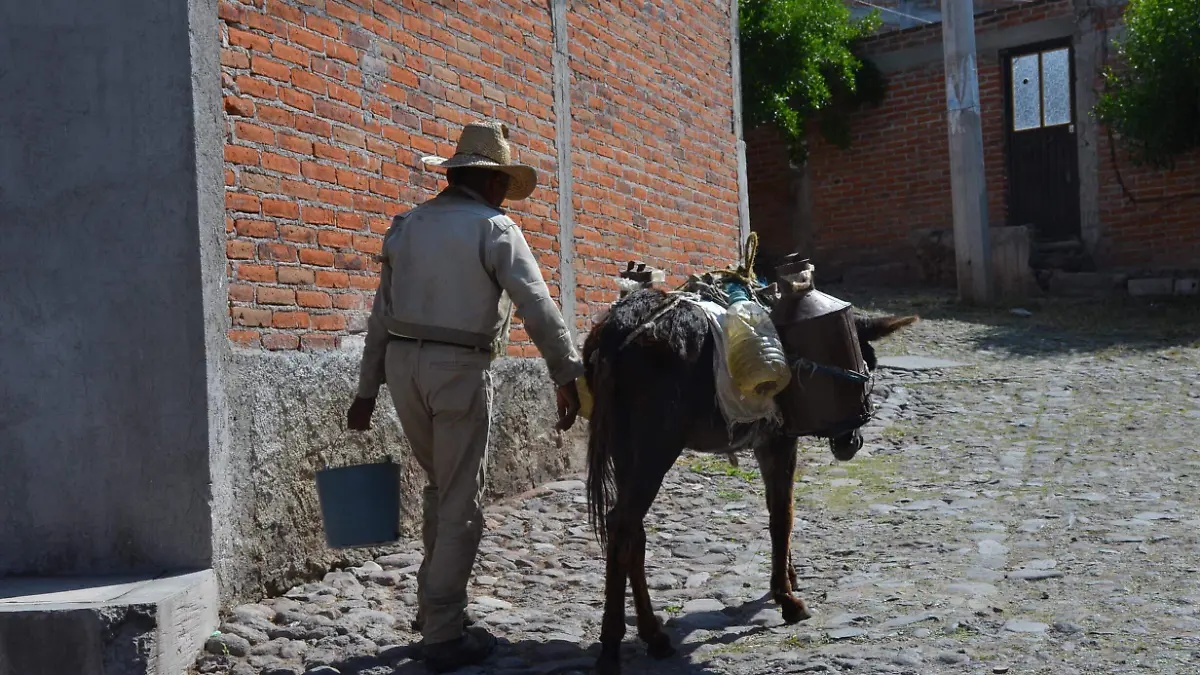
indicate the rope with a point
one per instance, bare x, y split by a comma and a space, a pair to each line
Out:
746, 272
699, 285
666, 307
710, 284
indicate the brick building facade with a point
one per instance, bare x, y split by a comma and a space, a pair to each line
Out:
869, 205
330, 104
205, 175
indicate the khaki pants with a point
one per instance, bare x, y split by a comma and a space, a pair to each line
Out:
443, 396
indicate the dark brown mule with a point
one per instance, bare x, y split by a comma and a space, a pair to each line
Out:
654, 397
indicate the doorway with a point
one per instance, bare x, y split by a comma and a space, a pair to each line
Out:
1042, 152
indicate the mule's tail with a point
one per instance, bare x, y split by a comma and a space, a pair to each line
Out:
601, 483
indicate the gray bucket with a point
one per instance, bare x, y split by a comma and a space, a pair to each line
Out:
360, 505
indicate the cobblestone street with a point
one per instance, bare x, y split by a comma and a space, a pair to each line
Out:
1033, 511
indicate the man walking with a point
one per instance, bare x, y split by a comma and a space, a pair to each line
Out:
450, 268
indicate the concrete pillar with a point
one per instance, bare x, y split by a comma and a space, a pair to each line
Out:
112, 346
967, 186
562, 141
1088, 51
735, 60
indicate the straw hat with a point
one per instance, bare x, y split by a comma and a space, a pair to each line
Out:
485, 145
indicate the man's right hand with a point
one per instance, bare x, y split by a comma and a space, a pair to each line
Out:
358, 418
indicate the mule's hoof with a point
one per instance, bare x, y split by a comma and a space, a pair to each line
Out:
794, 611
660, 647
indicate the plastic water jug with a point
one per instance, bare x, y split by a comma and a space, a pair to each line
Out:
585, 398
757, 364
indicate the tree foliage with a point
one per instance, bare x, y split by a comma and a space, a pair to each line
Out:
797, 62
1152, 97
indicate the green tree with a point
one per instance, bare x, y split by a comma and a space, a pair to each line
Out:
797, 62
1152, 97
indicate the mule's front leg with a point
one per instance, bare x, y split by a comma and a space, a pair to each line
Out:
777, 461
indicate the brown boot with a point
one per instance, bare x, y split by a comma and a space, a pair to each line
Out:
474, 646
418, 624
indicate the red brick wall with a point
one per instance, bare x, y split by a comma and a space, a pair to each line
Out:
330, 105
1160, 230
772, 200
868, 200
1160, 226
655, 164
894, 179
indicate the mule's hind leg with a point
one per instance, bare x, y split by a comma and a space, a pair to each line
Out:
658, 644
653, 459
639, 475
777, 461
612, 626
627, 559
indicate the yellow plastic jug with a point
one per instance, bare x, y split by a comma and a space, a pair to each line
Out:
585, 398
757, 364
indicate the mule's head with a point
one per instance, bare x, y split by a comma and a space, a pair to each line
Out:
846, 445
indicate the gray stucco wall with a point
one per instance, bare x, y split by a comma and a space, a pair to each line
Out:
289, 421
104, 400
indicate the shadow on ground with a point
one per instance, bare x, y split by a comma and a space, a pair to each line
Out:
1053, 325
554, 657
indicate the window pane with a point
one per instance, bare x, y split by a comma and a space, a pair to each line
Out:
1056, 87
1027, 105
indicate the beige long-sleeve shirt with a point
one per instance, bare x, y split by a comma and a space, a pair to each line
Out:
450, 267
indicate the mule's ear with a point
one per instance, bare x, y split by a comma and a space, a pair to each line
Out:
870, 330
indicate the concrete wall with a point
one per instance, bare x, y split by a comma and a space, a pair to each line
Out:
288, 422
104, 390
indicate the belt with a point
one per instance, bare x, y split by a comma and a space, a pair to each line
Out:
420, 341
440, 335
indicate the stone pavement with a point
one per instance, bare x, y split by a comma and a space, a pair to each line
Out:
1032, 512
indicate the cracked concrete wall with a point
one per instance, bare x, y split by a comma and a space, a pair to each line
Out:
289, 421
